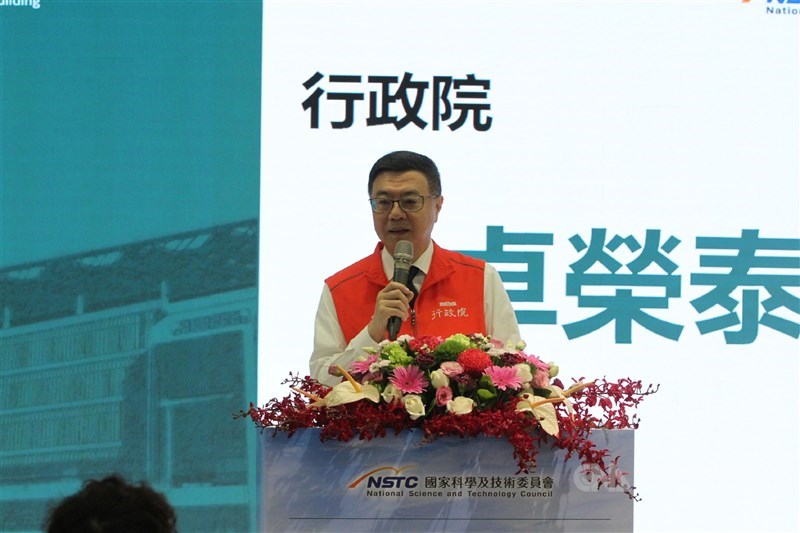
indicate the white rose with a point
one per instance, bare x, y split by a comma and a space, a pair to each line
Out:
460, 405
439, 379
391, 393
524, 372
414, 406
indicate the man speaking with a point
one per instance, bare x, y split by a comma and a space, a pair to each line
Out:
441, 293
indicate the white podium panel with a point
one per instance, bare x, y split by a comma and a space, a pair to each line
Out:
452, 485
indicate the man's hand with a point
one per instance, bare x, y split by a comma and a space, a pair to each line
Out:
392, 301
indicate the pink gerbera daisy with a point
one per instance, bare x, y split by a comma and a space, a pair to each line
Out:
362, 367
538, 363
409, 379
504, 377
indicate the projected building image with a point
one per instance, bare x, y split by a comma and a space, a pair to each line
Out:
133, 359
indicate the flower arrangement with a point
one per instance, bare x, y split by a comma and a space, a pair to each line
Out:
465, 386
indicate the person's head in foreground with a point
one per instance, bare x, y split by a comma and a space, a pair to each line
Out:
111, 505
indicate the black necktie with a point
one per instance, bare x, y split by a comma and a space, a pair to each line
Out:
412, 273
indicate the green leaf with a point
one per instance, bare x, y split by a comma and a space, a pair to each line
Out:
544, 393
486, 383
431, 404
486, 395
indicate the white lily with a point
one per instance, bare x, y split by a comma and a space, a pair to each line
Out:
558, 392
344, 392
542, 409
351, 391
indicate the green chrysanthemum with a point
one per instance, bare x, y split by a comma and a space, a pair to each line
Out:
451, 348
397, 355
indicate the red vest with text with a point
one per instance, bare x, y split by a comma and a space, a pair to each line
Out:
450, 301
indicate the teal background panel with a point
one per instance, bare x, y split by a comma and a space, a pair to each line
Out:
129, 185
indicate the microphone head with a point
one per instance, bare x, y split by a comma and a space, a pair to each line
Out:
403, 254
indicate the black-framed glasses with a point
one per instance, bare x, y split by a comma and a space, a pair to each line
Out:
409, 204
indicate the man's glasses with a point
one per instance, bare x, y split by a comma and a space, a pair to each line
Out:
409, 204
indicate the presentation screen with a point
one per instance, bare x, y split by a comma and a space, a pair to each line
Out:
630, 168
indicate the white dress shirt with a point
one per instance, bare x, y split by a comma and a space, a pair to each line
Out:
330, 347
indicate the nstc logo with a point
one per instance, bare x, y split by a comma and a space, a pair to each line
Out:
394, 481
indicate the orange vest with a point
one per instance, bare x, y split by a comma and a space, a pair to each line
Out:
450, 300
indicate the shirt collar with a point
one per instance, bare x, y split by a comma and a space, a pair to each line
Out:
423, 262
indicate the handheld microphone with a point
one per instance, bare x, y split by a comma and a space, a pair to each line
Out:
403, 256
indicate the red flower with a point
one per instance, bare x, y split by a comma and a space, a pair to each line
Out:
425, 344
474, 360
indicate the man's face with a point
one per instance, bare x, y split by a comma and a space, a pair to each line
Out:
397, 225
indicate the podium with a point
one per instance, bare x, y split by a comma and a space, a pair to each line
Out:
394, 484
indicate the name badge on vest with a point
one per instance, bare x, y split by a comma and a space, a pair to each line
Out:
449, 309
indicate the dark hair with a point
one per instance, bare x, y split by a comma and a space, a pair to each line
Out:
403, 161
112, 505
